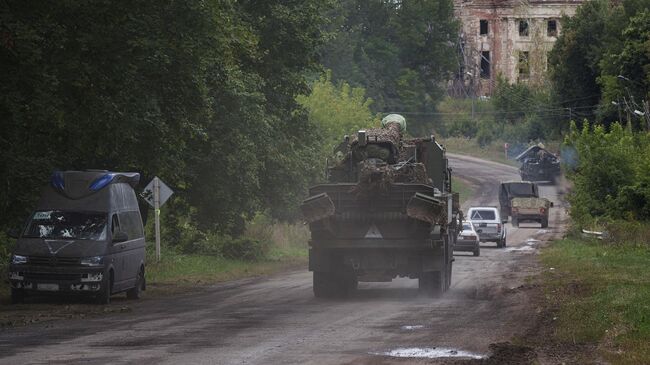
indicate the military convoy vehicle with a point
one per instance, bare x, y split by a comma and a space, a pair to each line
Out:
538, 164
530, 210
520, 200
386, 210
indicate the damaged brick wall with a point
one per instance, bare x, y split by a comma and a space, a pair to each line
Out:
508, 38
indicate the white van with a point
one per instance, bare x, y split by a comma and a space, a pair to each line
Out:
488, 224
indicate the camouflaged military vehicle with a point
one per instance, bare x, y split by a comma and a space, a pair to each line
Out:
538, 164
386, 210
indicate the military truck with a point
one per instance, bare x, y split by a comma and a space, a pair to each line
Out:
530, 210
515, 189
386, 210
538, 164
521, 201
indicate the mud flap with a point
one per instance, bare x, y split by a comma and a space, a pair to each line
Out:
426, 208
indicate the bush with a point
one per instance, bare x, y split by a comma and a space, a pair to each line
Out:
484, 136
244, 248
611, 174
628, 232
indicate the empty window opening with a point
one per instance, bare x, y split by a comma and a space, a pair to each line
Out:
485, 64
523, 65
523, 28
551, 28
484, 27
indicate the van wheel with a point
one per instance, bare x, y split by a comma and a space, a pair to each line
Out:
104, 296
17, 296
134, 293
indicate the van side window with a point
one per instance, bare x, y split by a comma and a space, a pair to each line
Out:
115, 224
132, 224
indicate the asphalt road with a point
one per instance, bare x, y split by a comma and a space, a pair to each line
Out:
277, 320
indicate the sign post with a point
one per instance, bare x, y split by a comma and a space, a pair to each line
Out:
156, 194
505, 146
156, 207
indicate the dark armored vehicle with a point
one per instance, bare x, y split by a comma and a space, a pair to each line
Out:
538, 164
84, 237
387, 210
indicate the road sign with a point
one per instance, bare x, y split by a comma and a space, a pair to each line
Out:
148, 193
156, 194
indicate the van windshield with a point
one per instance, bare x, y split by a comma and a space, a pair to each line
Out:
56, 224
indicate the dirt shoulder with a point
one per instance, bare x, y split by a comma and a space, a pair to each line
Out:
46, 309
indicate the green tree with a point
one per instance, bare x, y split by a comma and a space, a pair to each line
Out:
400, 52
335, 111
201, 94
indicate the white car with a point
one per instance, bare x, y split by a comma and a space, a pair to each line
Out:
488, 224
468, 240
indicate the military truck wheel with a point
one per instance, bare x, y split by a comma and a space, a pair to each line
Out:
17, 296
544, 223
431, 283
329, 285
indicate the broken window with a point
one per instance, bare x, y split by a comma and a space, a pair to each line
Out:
484, 27
485, 64
523, 28
523, 65
551, 28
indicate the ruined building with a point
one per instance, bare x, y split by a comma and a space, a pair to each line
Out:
507, 37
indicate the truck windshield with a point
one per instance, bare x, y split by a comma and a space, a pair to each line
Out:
55, 224
521, 190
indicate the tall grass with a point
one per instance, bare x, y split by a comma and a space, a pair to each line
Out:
600, 293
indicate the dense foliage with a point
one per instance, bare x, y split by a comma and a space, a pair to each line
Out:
200, 93
401, 52
611, 173
516, 113
337, 110
602, 56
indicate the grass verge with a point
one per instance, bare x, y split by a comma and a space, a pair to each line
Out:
180, 271
462, 187
600, 294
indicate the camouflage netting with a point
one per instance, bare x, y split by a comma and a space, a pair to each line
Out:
411, 173
374, 179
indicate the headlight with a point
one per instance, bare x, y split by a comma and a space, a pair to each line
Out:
18, 260
92, 261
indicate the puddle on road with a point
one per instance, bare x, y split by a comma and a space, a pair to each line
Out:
521, 249
532, 241
429, 353
412, 328
542, 231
